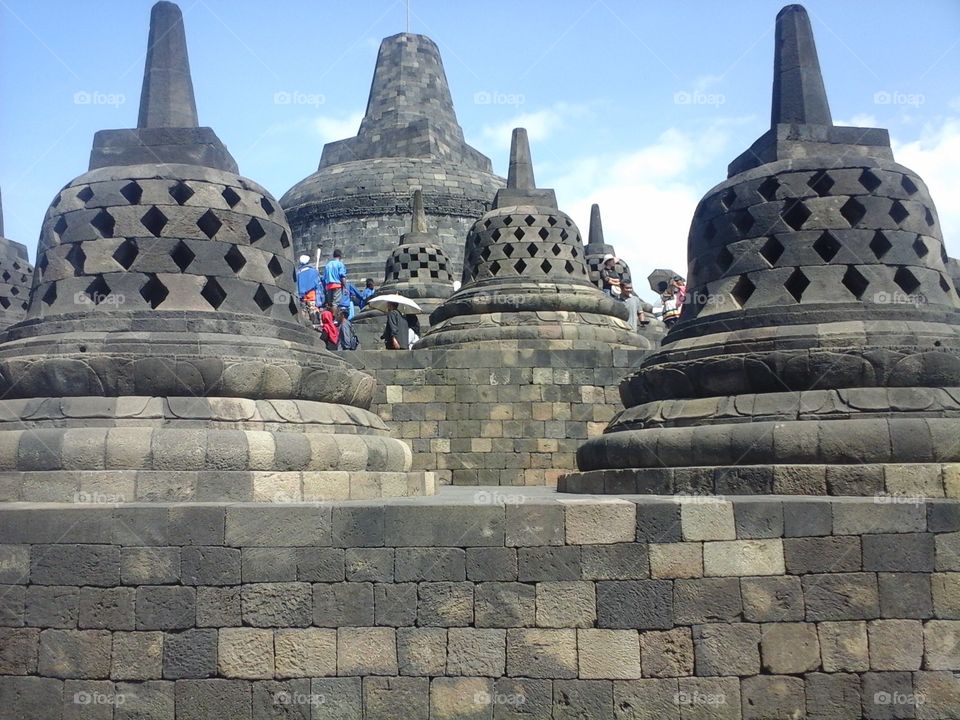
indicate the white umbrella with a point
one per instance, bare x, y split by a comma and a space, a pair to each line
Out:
379, 302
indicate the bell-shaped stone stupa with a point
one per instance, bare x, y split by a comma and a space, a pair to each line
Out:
162, 357
597, 249
15, 274
820, 349
525, 278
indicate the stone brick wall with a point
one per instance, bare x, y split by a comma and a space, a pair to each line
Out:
479, 604
497, 417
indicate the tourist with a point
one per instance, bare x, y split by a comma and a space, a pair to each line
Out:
348, 339
632, 301
413, 323
671, 310
680, 290
609, 276
396, 333
328, 327
346, 304
308, 282
334, 277
360, 297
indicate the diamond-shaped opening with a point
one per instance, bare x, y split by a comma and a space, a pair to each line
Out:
209, 223
4, 301
567, 222
61, 227
181, 192
853, 211
710, 231
564, 235
213, 293
104, 223
154, 291
944, 285
132, 192
57, 200
255, 230
495, 235
880, 245
943, 255
920, 247
569, 266
771, 250
928, 216
85, 195
544, 233
768, 189
14, 290
796, 284
507, 220
182, 255
43, 264
556, 250
855, 282
486, 223
235, 259
76, 257
795, 213
529, 219
574, 252
262, 298
821, 182
485, 253
126, 253
267, 206
231, 196
50, 296
292, 307
551, 221
908, 185
870, 181
98, 290
284, 240
508, 250
274, 266
728, 198
518, 233
827, 246
724, 259
743, 221
743, 290
546, 266
494, 267
6, 276
520, 266
898, 212
906, 280
532, 249
154, 221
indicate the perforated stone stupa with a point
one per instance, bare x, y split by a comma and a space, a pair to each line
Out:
15, 276
597, 248
525, 278
163, 357
821, 352
359, 198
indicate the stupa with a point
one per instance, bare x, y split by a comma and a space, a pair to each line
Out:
359, 198
15, 277
162, 357
525, 277
821, 351
598, 248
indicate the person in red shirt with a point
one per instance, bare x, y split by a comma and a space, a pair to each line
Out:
328, 327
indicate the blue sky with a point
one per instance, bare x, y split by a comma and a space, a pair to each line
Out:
637, 105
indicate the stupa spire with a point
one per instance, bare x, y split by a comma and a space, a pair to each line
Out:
418, 223
798, 92
520, 176
167, 99
595, 236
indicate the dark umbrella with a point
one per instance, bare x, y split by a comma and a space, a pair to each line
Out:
659, 279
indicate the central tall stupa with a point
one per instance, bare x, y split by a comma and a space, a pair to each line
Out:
409, 139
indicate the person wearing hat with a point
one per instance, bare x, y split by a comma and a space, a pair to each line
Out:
609, 276
308, 282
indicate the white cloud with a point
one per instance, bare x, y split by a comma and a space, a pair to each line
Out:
933, 156
860, 120
540, 125
330, 128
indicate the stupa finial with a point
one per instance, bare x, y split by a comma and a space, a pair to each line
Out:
167, 97
798, 92
520, 176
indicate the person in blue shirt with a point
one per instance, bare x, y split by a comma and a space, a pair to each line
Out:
347, 306
308, 282
334, 278
360, 297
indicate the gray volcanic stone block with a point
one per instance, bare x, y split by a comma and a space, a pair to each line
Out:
11, 605
190, 654
772, 599
491, 564
149, 565
18, 652
358, 526
75, 653
445, 604
107, 608
542, 653
137, 656
210, 566
722, 649
505, 604
534, 525
771, 697
341, 698
758, 519
202, 699
549, 563
339, 604
905, 595
706, 600
277, 604
52, 606
422, 651
803, 519
165, 608
395, 697
443, 526
887, 695
644, 604
395, 604
832, 696
830, 554
582, 698
619, 561
904, 552
285, 698
369, 564
268, 565
430, 564
320, 564
75, 565
218, 606
29, 696
846, 596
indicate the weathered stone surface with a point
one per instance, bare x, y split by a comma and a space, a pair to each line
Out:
706, 600
790, 648
137, 656
422, 651
642, 604
722, 649
505, 604
772, 697
667, 654
165, 607
772, 599
476, 652
74, 653
566, 604
542, 653
277, 604
895, 644
245, 653
190, 654
844, 646
366, 651
306, 652
608, 654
